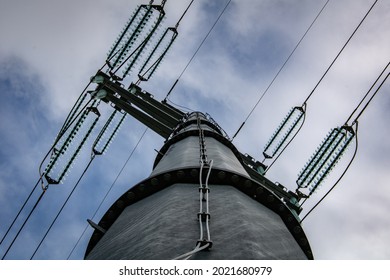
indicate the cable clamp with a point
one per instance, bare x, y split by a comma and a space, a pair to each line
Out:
204, 242
203, 216
204, 189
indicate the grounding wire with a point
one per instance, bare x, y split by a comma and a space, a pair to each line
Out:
207, 198
109, 190
197, 50
63, 205
203, 196
197, 249
200, 201
280, 69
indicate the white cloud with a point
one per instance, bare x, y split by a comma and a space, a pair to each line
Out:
62, 44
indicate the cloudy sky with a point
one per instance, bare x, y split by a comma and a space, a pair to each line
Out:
50, 49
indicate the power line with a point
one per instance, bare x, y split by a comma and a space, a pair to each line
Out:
63, 206
339, 179
311, 93
67, 123
109, 190
21, 209
280, 69
186, 10
355, 122
24, 223
337, 56
365, 96
365, 107
197, 50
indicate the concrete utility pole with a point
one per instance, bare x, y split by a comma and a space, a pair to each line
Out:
203, 199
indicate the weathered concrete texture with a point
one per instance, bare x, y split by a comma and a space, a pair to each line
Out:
165, 225
185, 154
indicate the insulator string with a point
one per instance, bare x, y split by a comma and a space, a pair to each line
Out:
69, 120
288, 143
334, 60
339, 179
355, 123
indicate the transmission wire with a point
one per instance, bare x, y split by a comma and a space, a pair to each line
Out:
280, 69
24, 223
63, 205
197, 50
24, 204
334, 60
188, 7
365, 107
355, 122
63, 129
339, 179
109, 190
44, 188
365, 96
65, 126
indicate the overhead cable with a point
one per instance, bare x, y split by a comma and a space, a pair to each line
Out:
62, 207
339, 53
354, 123
109, 190
304, 105
339, 179
197, 50
24, 223
280, 70
367, 93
